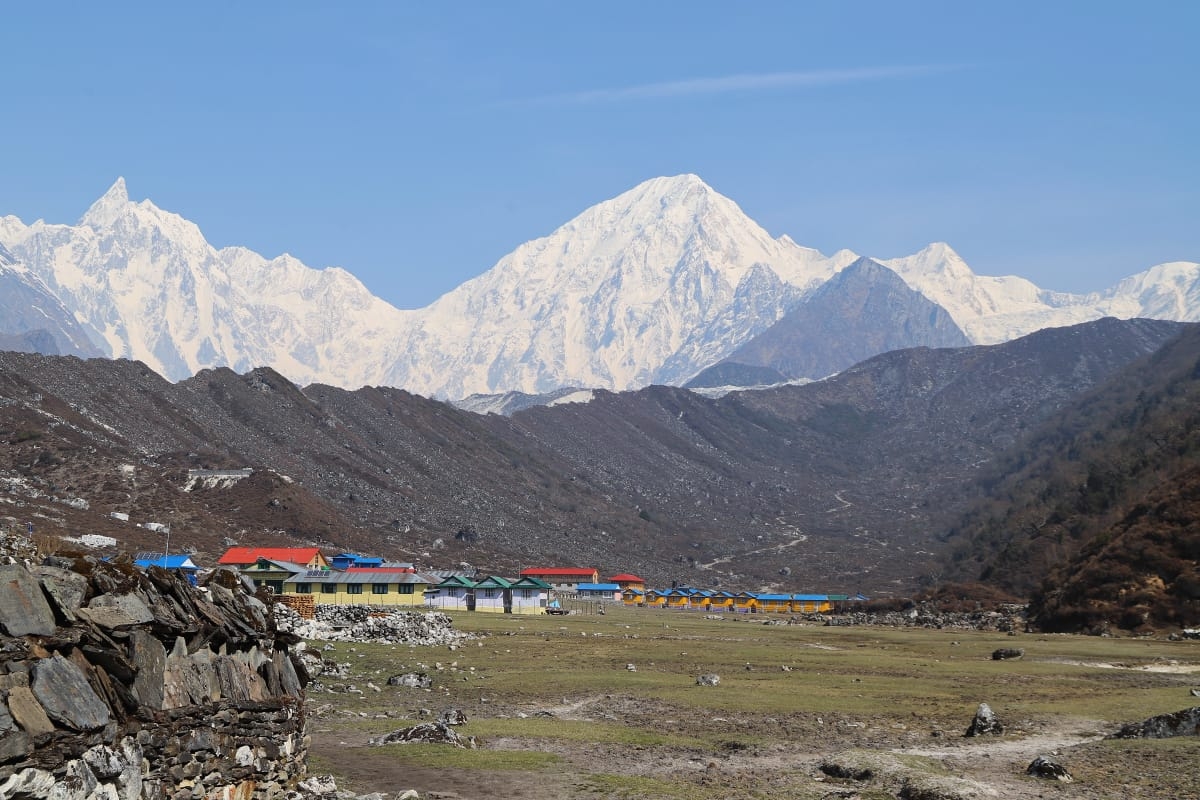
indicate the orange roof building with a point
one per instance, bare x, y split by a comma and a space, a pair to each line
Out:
562, 577
309, 557
628, 580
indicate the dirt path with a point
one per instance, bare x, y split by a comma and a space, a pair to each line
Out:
790, 530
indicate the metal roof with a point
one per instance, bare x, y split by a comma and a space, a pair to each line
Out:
339, 577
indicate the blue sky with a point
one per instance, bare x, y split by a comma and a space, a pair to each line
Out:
415, 144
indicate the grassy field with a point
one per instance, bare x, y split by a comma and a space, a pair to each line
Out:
558, 713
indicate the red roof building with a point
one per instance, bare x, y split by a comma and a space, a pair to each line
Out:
309, 557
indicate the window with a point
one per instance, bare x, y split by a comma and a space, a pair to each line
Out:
353, 588
303, 588
405, 588
379, 588
528, 594
328, 588
489, 594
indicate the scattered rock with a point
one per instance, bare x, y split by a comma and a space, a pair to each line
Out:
452, 716
985, 722
428, 733
708, 679
413, 680
1043, 767
364, 624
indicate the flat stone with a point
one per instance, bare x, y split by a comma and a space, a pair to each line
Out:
23, 607
63, 691
28, 712
150, 660
117, 611
65, 588
14, 746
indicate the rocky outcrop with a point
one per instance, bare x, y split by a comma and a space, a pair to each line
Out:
1163, 726
121, 685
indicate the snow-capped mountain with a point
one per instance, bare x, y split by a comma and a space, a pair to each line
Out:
649, 287
633, 291
33, 319
144, 284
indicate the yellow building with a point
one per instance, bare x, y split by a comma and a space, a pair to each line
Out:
811, 603
372, 587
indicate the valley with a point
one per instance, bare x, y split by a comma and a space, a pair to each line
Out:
616, 711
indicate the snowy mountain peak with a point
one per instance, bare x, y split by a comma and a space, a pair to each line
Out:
651, 286
110, 206
937, 258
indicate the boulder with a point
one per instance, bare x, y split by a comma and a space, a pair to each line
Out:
708, 679
64, 692
429, 733
1007, 653
1043, 767
23, 606
1163, 726
985, 722
150, 660
413, 680
117, 611
66, 589
452, 716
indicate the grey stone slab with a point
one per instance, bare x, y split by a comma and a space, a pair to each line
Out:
28, 712
117, 610
14, 746
66, 589
150, 660
64, 692
23, 607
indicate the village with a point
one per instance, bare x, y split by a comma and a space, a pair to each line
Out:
304, 578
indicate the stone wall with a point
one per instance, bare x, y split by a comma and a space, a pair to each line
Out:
121, 685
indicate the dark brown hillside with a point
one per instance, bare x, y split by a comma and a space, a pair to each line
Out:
837, 486
1086, 478
1141, 573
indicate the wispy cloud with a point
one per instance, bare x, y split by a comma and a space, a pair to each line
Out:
731, 84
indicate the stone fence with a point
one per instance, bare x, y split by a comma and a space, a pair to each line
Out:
117, 684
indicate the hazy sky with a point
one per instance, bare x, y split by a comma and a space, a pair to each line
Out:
416, 143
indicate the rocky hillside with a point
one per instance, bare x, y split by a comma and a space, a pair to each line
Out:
840, 485
1095, 513
864, 310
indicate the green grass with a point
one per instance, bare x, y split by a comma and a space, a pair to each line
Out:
883, 682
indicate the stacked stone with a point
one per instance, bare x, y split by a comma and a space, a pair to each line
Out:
358, 623
117, 684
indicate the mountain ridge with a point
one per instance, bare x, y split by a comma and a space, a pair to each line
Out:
649, 287
845, 483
